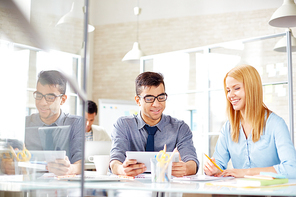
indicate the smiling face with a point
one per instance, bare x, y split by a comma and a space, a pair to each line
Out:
49, 111
236, 94
151, 112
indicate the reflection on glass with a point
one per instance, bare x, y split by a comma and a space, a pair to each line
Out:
276, 99
212, 144
218, 114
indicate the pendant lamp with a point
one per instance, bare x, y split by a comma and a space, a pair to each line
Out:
68, 18
134, 55
284, 16
281, 45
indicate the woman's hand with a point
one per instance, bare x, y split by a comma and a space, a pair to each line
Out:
210, 169
237, 173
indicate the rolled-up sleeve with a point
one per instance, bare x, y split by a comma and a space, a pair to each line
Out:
120, 142
77, 135
185, 145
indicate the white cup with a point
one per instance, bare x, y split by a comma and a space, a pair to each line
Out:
101, 163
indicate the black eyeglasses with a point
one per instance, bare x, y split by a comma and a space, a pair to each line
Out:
48, 97
150, 99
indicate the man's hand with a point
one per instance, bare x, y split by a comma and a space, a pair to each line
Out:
7, 166
129, 167
64, 167
179, 168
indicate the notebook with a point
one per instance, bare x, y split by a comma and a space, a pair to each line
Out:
97, 148
144, 157
246, 182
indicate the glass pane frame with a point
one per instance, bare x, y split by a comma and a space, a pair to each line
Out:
211, 64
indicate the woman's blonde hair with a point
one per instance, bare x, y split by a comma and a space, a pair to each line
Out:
255, 110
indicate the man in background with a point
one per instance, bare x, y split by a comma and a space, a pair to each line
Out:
51, 128
94, 132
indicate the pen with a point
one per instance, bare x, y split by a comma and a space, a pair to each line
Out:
213, 162
167, 164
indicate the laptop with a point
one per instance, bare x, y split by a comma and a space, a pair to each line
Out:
144, 157
97, 148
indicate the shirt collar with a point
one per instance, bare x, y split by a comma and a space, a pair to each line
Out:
141, 123
56, 123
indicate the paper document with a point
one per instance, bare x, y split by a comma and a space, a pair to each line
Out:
89, 176
200, 178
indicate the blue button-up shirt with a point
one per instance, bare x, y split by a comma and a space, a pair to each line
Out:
129, 134
274, 148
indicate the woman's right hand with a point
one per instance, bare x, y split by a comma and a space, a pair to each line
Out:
210, 169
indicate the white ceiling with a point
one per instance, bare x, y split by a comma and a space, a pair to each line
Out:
118, 11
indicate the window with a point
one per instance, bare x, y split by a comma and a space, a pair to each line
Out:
194, 81
22, 65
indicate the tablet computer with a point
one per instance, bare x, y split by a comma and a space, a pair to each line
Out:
144, 157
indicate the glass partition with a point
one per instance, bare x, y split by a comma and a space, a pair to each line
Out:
42, 115
194, 83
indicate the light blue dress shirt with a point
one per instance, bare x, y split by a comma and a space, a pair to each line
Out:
274, 148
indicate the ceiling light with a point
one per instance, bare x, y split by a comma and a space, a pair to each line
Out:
134, 55
69, 18
281, 45
284, 16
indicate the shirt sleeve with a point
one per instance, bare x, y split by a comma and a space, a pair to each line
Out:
185, 145
221, 153
120, 143
99, 134
77, 135
286, 150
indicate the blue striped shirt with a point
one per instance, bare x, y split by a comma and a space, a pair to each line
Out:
129, 134
69, 139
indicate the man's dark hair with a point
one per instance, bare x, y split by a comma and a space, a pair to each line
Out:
54, 78
148, 79
14, 143
91, 107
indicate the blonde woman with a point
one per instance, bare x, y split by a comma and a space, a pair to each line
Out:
254, 138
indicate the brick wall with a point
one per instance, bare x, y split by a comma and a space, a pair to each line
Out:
114, 79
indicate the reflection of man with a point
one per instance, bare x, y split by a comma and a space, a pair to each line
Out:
94, 132
6, 159
53, 129
130, 133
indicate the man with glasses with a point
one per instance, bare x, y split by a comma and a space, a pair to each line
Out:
52, 129
136, 133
